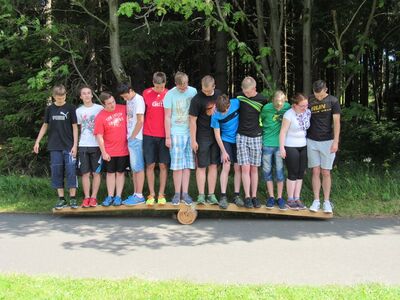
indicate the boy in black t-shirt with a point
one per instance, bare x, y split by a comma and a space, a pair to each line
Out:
60, 119
322, 142
203, 140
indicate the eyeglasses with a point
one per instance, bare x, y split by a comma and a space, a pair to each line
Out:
302, 106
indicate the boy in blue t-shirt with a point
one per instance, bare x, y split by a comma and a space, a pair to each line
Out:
225, 122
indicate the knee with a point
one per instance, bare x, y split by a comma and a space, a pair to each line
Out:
326, 173
151, 167
316, 171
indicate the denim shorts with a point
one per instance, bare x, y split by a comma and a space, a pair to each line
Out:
61, 161
136, 159
270, 156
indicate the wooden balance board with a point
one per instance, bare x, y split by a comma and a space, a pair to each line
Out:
187, 214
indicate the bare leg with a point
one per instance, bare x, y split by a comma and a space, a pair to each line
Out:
224, 176
96, 184
60, 192
212, 178
177, 175
163, 178
290, 186
237, 178
119, 183
201, 180
270, 188
150, 178
86, 184
254, 180
185, 180
110, 181
297, 188
279, 185
139, 179
316, 182
72, 192
326, 183
246, 180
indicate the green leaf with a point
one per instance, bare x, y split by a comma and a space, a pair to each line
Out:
128, 9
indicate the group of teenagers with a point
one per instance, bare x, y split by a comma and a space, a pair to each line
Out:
184, 129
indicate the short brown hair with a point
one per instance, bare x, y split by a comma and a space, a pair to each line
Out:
207, 81
59, 90
104, 96
222, 103
179, 77
159, 78
296, 99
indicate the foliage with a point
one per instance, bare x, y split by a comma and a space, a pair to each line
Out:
365, 139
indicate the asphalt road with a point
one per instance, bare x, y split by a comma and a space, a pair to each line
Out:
228, 250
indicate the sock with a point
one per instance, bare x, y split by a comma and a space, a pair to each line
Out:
223, 194
290, 199
326, 200
72, 197
139, 195
237, 193
296, 198
316, 200
61, 198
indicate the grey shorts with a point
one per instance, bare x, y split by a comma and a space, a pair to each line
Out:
319, 154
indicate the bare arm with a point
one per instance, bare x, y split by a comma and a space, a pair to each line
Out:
224, 155
336, 133
41, 134
193, 130
104, 154
74, 149
138, 126
167, 125
282, 136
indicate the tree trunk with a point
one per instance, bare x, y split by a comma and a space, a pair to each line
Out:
276, 9
307, 59
221, 61
260, 34
364, 85
115, 52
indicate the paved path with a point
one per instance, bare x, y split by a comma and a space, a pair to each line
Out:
231, 250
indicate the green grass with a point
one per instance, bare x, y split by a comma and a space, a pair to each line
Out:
28, 287
357, 191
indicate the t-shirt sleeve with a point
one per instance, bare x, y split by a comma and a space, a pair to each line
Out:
141, 107
214, 121
168, 100
287, 115
98, 125
336, 106
194, 109
78, 116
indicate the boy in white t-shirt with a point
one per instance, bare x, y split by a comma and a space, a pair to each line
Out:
89, 152
135, 108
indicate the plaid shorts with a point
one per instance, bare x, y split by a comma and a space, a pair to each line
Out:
249, 150
181, 153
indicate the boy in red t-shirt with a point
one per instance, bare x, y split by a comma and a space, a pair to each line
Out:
110, 130
154, 148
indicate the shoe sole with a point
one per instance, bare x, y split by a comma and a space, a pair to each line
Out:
328, 212
133, 204
176, 204
313, 210
188, 204
283, 208
60, 207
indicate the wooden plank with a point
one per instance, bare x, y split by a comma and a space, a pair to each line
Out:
207, 207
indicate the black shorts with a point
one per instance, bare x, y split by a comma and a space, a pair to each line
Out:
89, 160
116, 164
208, 154
231, 150
155, 151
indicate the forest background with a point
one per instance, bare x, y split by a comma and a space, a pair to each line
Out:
284, 44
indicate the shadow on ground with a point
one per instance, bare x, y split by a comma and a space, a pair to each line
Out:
126, 233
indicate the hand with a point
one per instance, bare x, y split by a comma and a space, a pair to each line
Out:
36, 148
225, 157
282, 152
195, 146
168, 142
74, 151
334, 147
106, 156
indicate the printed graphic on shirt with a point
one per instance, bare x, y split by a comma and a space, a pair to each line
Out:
323, 107
115, 120
182, 108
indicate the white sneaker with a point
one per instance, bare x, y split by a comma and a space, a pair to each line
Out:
327, 207
315, 206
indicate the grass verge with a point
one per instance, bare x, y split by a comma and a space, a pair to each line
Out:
30, 287
357, 191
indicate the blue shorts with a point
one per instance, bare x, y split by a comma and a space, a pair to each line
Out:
136, 159
270, 156
231, 150
181, 153
61, 161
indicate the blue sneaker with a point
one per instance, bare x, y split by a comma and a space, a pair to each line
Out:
270, 203
117, 201
133, 200
282, 204
176, 199
187, 199
107, 201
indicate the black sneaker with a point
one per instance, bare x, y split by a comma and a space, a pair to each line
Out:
73, 203
256, 202
223, 202
248, 203
61, 204
238, 201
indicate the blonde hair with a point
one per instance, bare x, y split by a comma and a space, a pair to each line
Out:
279, 98
180, 77
207, 81
248, 83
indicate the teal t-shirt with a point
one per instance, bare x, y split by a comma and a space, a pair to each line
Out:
179, 104
271, 123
